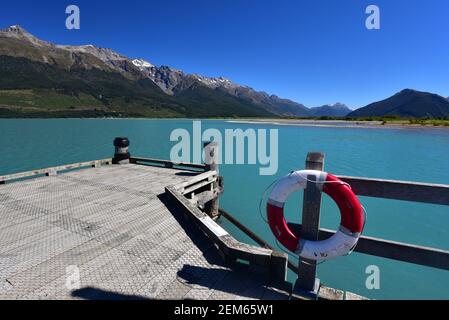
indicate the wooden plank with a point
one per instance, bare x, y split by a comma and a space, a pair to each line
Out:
327, 293
168, 163
197, 186
399, 190
353, 296
277, 291
425, 256
209, 175
52, 170
204, 197
310, 221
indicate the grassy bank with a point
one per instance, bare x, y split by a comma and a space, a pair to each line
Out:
388, 120
53, 104
405, 121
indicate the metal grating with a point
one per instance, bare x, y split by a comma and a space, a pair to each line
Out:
108, 233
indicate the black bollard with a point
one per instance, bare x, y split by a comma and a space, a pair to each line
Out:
121, 155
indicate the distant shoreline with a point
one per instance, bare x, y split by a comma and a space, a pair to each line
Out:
363, 124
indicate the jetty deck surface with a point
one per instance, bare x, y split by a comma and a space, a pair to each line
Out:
110, 233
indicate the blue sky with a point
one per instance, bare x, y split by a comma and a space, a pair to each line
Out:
314, 52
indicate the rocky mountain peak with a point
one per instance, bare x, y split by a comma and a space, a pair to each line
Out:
335, 110
142, 64
17, 32
15, 29
170, 80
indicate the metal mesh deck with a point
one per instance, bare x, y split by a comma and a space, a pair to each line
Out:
110, 233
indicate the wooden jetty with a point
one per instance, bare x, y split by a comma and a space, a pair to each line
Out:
95, 230
145, 229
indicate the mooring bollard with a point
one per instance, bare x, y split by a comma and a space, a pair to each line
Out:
211, 159
121, 155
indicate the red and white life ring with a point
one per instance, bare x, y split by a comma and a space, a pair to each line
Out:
352, 217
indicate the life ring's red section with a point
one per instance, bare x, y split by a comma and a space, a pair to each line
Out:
280, 228
350, 210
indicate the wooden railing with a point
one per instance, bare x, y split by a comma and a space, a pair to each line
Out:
377, 188
399, 190
168, 164
201, 189
53, 170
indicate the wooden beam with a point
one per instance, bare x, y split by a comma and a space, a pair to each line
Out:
52, 170
197, 186
425, 256
399, 190
167, 163
204, 197
208, 175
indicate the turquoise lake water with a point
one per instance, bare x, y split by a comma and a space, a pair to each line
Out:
403, 154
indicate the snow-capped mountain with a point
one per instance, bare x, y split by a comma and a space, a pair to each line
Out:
142, 64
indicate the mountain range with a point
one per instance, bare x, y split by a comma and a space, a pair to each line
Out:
42, 77
39, 78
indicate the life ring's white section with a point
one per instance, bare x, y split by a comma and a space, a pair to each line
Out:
294, 181
337, 245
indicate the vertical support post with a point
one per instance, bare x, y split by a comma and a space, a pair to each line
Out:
211, 160
307, 281
97, 164
51, 173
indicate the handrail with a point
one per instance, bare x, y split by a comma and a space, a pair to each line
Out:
168, 163
399, 190
425, 256
405, 252
197, 179
389, 189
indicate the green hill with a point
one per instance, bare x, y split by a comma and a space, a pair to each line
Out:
34, 89
407, 104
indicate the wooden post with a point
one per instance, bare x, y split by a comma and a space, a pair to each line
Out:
97, 164
211, 159
307, 281
51, 173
